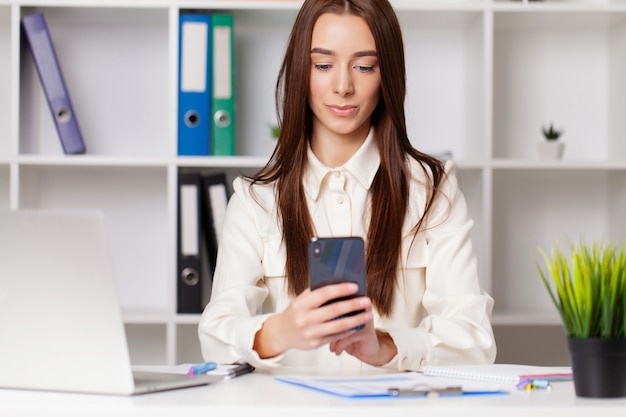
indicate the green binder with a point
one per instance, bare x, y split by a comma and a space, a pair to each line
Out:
223, 91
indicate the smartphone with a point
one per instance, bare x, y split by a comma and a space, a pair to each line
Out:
337, 259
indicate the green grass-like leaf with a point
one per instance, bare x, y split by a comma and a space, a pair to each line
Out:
588, 288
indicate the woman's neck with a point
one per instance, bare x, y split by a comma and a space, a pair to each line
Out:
334, 150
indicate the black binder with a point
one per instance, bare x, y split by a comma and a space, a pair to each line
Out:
215, 202
190, 269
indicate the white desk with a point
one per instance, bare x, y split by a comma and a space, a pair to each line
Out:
259, 395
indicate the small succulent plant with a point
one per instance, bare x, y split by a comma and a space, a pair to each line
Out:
275, 131
551, 133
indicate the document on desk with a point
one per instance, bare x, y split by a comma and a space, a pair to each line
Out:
393, 384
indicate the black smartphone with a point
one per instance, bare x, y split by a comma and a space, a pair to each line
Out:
337, 259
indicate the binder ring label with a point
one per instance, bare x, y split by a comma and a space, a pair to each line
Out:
190, 277
222, 118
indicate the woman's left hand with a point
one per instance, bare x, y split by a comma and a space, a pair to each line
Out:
368, 345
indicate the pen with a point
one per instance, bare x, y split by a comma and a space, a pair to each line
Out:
241, 369
532, 384
202, 368
538, 384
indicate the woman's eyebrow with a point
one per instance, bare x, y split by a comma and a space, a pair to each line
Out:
365, 53
323, 51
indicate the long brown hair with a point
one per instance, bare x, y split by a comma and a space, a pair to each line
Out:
390, 188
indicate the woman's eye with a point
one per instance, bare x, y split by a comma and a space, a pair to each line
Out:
322, 67
364, 68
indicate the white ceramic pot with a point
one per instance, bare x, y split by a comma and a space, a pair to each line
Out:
550, 149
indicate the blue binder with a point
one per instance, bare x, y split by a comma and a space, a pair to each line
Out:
194, 86
53, 84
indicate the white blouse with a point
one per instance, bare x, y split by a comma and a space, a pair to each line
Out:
440, 314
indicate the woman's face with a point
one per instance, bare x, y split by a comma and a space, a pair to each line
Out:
345, 77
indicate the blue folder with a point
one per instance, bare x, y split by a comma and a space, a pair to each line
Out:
392, 385
194, 84
53, 84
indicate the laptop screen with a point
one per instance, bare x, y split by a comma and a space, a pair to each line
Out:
60, 319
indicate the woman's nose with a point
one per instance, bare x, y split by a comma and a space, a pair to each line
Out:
343, 83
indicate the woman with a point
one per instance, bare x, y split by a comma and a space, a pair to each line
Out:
344, 166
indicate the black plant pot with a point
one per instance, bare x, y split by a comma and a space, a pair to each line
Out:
599, 367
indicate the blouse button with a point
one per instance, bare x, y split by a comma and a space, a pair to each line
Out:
340, 200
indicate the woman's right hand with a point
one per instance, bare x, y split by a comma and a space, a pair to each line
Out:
307, 324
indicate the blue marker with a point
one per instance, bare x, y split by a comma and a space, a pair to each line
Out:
202, 368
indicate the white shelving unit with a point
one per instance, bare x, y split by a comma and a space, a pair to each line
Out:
483, 77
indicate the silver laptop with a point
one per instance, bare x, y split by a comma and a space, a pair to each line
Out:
61, 327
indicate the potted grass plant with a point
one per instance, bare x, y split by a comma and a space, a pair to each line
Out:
587, 285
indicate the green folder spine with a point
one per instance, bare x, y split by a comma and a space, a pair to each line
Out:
223, 91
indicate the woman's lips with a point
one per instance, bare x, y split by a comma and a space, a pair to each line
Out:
343, 110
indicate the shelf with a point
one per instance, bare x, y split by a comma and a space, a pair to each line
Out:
522, 165
222, 161
5, 188
124, 110
483, 77
89, 160
526, 319
566, 68
123, 4
260, 39
5, 81
256, 162
159, 317
445, 87
533, 209
140, 247
558, 6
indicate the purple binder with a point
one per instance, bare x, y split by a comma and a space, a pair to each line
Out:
53, 84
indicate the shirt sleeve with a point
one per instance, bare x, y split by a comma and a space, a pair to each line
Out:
456, 328
230, 321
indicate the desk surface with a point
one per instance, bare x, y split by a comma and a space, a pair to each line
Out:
260, 395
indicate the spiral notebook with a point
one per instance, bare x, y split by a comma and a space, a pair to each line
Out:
507, 374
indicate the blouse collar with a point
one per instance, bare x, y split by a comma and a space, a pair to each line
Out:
363, 165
